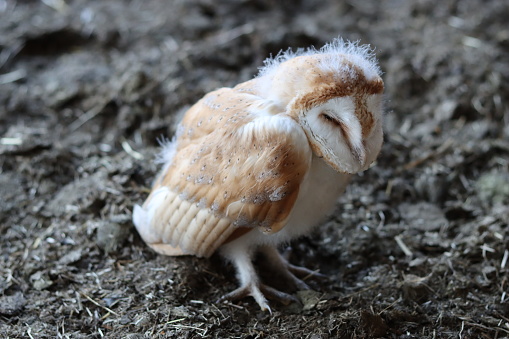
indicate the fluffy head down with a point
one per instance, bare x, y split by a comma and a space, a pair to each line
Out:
335, 94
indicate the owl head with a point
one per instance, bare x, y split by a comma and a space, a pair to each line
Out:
335, 93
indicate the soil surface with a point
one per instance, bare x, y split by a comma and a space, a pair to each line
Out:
418, 247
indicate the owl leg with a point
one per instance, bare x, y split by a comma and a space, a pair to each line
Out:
250, 284
291, 273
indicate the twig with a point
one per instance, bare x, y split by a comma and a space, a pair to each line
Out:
171, 323
58, 5
29, 332
403, 247
12, 76
360, 292
175, 320
89, 115
219, 311
187, 326
312, 274
129, 150
504, 259
232, 34
412, 164
11, 141
78, 301
498, 328
97, 304
232, 305
391, 305
485, 248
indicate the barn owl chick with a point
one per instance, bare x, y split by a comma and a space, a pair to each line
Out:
259, 164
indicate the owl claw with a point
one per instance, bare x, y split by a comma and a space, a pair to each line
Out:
260, 292
297, 283
248, 290
292, 274
274, 294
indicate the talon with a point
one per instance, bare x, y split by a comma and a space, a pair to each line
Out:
277, 295
250, 284
234, 295
248, 290
292, 274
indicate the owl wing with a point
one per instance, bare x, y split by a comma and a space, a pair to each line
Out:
222, 182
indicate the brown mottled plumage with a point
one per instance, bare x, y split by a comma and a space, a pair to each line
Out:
263, 162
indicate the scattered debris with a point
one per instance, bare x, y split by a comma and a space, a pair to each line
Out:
418, 245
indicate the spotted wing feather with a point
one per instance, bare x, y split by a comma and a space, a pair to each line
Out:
238, 166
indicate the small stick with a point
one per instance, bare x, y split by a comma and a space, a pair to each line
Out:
504, 259
403, 247
97, 304
129, 150
446, 145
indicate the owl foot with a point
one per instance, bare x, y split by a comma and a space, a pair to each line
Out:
260, 292
250, 284
292, 275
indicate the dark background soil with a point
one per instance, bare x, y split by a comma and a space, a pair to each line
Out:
417, 249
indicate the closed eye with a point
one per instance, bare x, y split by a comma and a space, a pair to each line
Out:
331, 120
342, 127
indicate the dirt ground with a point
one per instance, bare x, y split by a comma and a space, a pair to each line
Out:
418, 247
